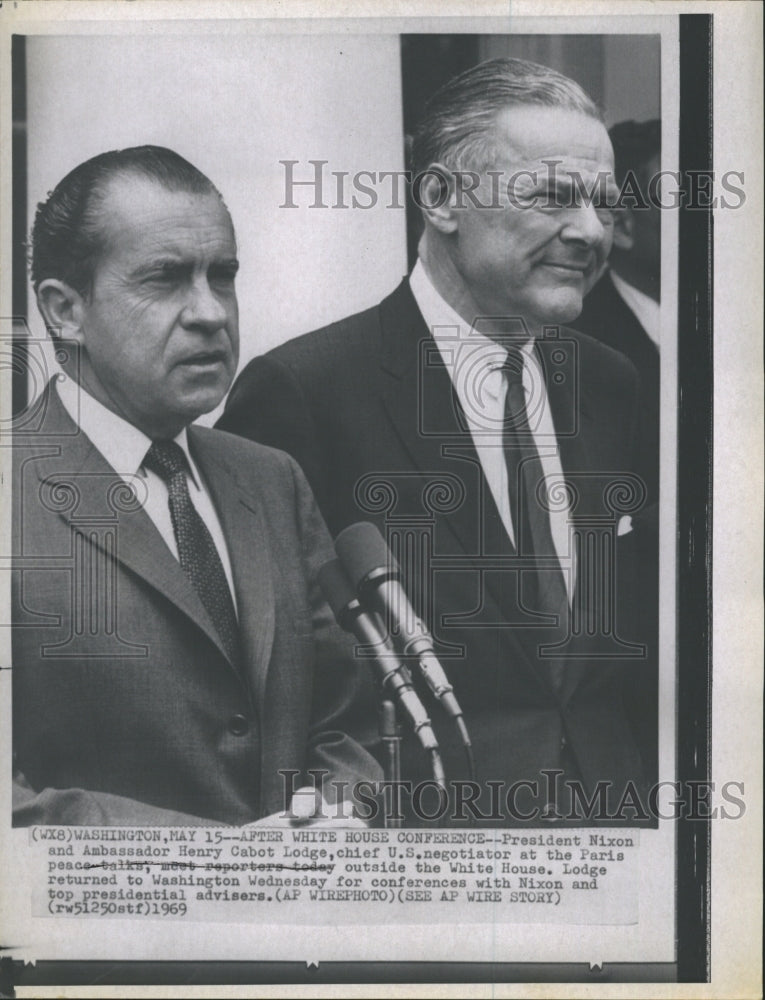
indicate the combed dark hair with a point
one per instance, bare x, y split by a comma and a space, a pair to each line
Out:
67, 233
457, 127
635, 143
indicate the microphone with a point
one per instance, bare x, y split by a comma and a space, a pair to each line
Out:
370, 564
394, 675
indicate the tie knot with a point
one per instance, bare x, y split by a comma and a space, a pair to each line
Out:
513, 366
166, 458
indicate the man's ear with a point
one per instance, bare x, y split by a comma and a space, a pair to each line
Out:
435, 194
624, 229
62, 309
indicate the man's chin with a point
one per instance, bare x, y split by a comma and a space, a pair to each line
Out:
202, 390
191, 406
205, 404
561, 309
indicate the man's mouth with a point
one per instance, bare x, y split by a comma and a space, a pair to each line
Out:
206, 358
568, 266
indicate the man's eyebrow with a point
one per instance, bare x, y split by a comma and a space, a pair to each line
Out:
176, 262
231, 263
159, 263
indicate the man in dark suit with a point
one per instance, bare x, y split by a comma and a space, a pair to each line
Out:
445, 410
173, 662
622, 310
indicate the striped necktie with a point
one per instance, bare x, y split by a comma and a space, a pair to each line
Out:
197, 553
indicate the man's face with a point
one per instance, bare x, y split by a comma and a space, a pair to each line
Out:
532, 260
160, 327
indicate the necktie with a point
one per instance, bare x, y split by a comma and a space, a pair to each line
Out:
531, 519
197, 553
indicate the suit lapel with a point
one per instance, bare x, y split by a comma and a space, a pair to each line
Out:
249, 553
422, 405
569, 405
572, 417
102, 499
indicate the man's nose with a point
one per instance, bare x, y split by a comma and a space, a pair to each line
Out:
203, 308
584, 226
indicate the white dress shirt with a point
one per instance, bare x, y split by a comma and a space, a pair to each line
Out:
474, 363
646, 309
124, 447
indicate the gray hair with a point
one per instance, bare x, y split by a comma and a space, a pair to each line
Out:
457, 128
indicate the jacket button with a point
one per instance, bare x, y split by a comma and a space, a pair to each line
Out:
238, 725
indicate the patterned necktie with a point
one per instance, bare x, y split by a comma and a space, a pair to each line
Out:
196, 550
531, 519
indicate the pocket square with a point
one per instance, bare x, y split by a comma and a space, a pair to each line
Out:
624, 527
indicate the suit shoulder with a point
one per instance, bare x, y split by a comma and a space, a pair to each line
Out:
343, 341
266, 475
341, 335
240, 452
599, 357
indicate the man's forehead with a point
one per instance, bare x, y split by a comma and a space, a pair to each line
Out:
136, 210
531, 134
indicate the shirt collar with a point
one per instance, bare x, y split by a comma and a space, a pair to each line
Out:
122, 444
452, 335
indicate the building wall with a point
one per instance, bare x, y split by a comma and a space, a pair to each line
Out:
235, 105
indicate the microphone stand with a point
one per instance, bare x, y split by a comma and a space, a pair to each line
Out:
392, 675
390, 735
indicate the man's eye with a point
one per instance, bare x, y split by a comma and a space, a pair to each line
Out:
223, 275
164, 276
602, 206
553, 197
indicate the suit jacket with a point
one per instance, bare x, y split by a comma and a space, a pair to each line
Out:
608, 318
126, 708
368, 410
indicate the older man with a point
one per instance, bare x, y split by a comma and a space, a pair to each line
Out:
491, 444
171, 655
